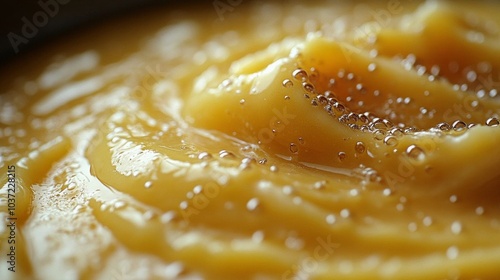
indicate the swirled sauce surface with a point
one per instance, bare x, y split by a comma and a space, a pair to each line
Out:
273, 141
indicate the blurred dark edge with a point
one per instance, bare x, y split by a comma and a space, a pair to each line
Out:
73, 14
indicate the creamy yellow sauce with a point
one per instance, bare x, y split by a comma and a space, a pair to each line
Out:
267, 141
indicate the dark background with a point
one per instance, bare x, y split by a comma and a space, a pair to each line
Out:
74, 14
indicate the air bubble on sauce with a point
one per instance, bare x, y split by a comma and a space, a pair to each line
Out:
360, 147
492, 122
342, 156
390, 141
287, 83
252, 204
415, 152
300, 74
204, 156
330, 219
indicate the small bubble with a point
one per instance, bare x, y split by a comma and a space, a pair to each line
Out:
308, 87
247, 160
167, 217
341, 156
350, 76
119, 204
330, 219
480, 93
456, 227
484, 67
331, 83
148, 184
452, 252
242, 101
396, 132
378, 134
471, 125
294, 243
252, 204
345, 213
443, 126
262, 161
479, 210
341, 73
493, 93
354, 192
471, 76
378, 123
387, 192
258, 236
273, 168
390, 141
71, 186
421, 70
362, 118
287, 97
294, 148
339, 108
204, 156
415, 152
299, 74
410, 130
322, 99
400, 207
183, 205
226, 154
287, 83
319, 185
352, 117
453, 198
459, 125
360, 147
435, 70
287, 190
492, 122
197, 189
372, 67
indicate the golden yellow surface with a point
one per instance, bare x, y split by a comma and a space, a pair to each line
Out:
267, 141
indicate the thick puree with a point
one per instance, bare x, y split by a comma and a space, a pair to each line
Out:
258, 141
